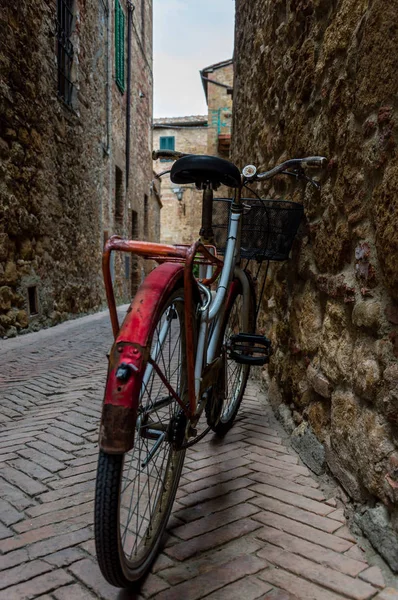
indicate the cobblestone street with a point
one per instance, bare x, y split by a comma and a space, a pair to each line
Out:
250, 521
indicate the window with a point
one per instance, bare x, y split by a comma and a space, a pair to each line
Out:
166, 143
146, 215
119, 46
32, 301
65, 49
119, 205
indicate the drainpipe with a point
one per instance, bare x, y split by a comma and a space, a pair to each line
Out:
130, 9
214, 82
108, 85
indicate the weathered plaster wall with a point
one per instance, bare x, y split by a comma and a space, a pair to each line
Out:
320, 77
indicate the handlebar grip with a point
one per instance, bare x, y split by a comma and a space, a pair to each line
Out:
314, 161
166, 154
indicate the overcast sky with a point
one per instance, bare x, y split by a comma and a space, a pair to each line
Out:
188, 36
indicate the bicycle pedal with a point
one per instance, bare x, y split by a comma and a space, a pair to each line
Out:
249, 349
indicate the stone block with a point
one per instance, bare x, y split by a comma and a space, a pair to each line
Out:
390, 375
274, 394
375, 524
367, 314
366, 378
285, 417
309, 317
6, 296
10, 273
331, 243
3, 246
319, 382
344, 476
336, 348
22, 318
318, 414
311, 451
391, 313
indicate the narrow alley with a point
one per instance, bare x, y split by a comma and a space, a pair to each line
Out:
249, 521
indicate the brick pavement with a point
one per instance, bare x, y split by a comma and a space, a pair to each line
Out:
249, 520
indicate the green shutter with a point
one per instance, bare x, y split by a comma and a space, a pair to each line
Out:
167, 143
119, 46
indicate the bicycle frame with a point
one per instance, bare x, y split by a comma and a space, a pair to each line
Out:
203, 366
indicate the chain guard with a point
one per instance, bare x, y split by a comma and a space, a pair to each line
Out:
213, 408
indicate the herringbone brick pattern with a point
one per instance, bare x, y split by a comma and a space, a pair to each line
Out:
249, 520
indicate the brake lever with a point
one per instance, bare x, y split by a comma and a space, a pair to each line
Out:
314, 183
300, 174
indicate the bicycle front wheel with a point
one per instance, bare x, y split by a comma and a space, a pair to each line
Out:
135, 491
236, 374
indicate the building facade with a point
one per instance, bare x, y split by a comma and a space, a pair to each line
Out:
182, 205
75, 144
217, 83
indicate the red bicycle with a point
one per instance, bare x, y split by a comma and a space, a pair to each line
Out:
183, 352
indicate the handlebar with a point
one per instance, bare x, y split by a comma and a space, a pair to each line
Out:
319, 162
173, 154
250, 172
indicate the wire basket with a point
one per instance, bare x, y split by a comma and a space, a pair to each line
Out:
268, 228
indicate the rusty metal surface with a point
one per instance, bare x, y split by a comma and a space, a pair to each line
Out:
117, 429
162, 253
145, 249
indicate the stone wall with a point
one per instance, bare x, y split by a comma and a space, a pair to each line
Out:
319, 77
57, 162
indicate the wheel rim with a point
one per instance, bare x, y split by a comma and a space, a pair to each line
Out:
150, 468
235, 372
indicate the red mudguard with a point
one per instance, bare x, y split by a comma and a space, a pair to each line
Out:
131, 347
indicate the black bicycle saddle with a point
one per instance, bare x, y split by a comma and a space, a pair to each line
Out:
199, 169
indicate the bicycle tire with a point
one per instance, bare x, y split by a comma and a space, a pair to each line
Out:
236, 374
120, 566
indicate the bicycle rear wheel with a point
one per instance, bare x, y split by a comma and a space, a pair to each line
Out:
236, 373
135, 491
